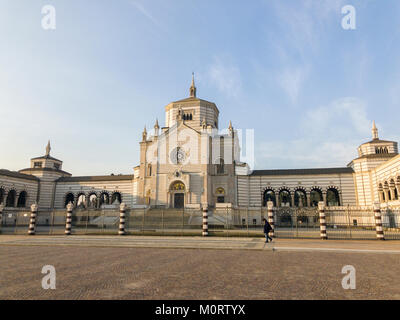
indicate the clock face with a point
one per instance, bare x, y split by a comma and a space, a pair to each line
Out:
177, 156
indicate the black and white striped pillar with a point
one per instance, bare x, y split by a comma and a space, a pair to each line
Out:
270, 206
378, 222
122, 210
205, 220
32, 222
1, 215
322, 220
68, 220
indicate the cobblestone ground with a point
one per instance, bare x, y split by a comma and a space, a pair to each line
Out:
151, 273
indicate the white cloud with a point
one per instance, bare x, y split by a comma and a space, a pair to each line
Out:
225, 76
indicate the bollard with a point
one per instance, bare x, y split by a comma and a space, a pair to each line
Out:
32, 222
1, 215
270, 206
205, 220
68, 221
122, 209
322, 221
378, 221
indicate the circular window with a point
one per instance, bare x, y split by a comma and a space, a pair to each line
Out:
177, 156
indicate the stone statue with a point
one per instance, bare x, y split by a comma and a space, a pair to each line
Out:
48, 148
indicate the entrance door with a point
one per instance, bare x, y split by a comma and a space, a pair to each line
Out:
179, 200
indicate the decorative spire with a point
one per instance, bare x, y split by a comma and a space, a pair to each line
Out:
230, 126
374, 131
144, 134
48, 148
156, 128
193, 88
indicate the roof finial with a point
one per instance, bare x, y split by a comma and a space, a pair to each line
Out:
374, 131
144, 134
193, 88
48, 148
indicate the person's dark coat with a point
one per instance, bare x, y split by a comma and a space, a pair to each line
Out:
267, 227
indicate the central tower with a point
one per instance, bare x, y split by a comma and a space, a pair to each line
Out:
196, 113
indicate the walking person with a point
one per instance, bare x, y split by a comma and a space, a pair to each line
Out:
267, 229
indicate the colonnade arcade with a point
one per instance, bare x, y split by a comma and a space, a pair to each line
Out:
389, 190
12, 198
92, 199
302, 197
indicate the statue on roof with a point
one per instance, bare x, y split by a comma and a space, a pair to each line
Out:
48, 148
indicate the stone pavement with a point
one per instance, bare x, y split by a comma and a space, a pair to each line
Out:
223, 243
157, 268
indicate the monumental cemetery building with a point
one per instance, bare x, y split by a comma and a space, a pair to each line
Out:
191, 161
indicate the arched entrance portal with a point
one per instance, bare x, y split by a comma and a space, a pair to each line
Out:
177, 191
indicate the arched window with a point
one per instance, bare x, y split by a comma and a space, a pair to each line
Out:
285, 198
2, 192
221, 167
332, 197
149, 170
300, 198
10, 202
69, 198
104, 198
92, 200
81, 200
22, 199
315, 197
269, 195
116, 196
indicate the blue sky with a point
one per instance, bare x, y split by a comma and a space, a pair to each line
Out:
286, 69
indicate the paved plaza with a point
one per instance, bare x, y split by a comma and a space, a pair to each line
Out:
95, 267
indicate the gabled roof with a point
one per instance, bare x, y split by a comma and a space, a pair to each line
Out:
15, 174
286, 172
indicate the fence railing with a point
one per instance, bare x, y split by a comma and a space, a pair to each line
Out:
341, 222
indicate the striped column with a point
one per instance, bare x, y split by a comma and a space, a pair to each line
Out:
1, 215
68, 220
322, 220
270, 206
122, 209
32, 222
378, 222
205, 220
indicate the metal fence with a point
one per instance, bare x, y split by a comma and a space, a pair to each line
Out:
341, 222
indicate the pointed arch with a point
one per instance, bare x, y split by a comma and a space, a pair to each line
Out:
269, 195
315, 196
22, 198
11, 196
69, 197
300, 197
